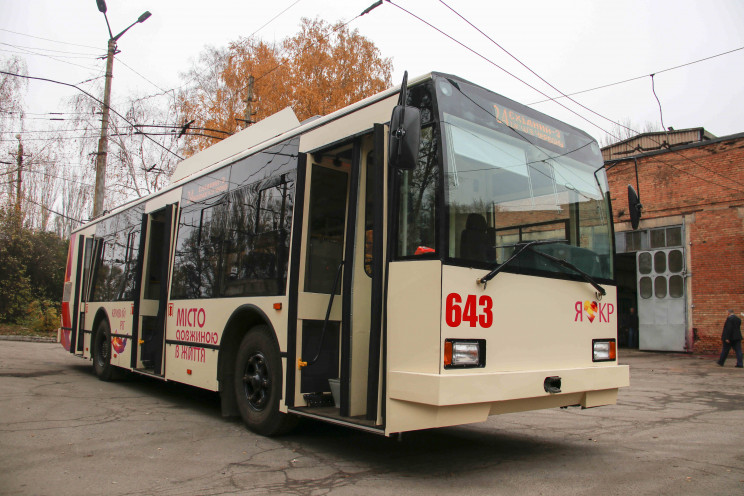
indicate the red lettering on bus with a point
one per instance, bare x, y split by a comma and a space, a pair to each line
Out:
452, 312
477, 310
605, 311
579, 312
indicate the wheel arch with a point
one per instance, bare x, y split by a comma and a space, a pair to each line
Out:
100, 316
242, 320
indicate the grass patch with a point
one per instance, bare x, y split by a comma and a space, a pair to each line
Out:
22, 330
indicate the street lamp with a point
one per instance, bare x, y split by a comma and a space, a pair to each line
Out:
103, 142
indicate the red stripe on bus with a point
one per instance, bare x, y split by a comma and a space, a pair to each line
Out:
68, 271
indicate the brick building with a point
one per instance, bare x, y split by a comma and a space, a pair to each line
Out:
684, 265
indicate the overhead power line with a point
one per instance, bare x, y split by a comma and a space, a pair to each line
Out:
480, 55
365, 11
52, 211
30, 52
48, 39
728, 180
608, 85
274, 18
85, 55
94, 98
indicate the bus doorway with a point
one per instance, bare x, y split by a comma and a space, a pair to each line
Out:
150, 306
627, 296
338, 354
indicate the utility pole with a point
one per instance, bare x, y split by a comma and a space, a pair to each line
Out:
103, 141
19, 162
248, 100
100, 186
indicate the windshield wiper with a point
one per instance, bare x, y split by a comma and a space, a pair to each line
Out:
563, 263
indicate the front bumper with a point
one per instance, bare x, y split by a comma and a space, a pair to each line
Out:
469, 388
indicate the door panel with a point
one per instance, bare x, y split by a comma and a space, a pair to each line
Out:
661, 300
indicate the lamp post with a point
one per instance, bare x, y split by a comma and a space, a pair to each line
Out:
103, 141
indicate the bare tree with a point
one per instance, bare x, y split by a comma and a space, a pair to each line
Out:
141, 157
12, 90
626, 129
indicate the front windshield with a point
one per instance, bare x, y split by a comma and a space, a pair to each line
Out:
513, 175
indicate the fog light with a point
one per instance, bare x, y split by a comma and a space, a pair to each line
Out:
464, 353
603, 350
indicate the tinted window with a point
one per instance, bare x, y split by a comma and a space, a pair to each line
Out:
326, 229
233, 235
116, 259
257, 238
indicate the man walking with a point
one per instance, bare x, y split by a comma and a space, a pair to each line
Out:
731, 338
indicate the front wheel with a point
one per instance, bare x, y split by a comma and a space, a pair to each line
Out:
258, 384
102, 352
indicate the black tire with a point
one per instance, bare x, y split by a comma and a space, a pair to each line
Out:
258, 384
101, 352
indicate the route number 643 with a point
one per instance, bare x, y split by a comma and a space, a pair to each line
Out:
474, 310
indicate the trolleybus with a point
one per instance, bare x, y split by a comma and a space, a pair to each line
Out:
429, 269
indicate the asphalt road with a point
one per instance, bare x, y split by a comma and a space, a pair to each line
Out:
677, 430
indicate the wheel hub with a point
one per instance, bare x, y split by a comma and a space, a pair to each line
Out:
256, 381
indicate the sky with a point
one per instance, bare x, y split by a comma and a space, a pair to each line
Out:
575, 46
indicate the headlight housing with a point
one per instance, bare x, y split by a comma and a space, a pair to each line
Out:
464, 353
604, 350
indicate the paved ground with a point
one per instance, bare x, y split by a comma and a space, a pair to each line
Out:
677, 430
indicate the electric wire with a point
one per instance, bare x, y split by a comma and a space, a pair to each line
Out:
52, 211
48, 39
84, 55
608, 85
29, 52
661, 114
52, 176
564, 95
366, 11
274, 18
94, 98
480, 55
140, 75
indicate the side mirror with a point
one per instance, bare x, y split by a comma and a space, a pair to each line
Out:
405, 136
634, 207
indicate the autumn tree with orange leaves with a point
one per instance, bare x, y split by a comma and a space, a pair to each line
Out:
320, 69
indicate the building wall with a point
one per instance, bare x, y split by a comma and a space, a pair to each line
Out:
705, 185
648, 142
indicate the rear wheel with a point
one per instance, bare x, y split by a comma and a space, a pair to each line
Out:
102, 352
258, 383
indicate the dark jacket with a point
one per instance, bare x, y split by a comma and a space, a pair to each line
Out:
732, 329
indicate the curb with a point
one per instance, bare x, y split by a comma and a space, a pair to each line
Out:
33, 339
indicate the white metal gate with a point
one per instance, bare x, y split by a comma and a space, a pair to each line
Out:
661, 299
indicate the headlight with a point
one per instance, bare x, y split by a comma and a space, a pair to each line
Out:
603, 350
463, 353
